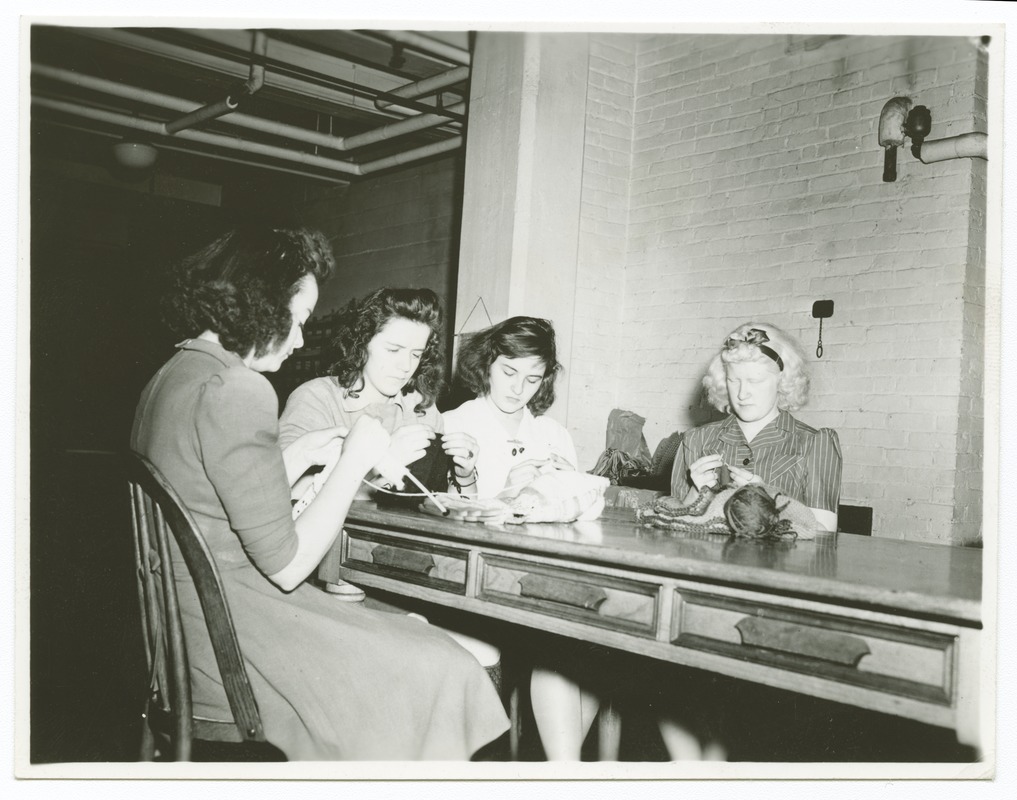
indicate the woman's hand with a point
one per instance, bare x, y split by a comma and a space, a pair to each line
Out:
560, 463
409, 443
740, 477
366, 444
463, 450
703, 471
525, 472
313, 449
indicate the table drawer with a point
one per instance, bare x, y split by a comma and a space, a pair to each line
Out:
407, 560
606, 601
897, 660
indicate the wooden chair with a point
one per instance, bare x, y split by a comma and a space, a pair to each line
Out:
168, 714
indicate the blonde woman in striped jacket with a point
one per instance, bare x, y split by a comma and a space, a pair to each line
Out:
758, 377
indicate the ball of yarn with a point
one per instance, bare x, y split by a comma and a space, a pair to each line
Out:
751, 512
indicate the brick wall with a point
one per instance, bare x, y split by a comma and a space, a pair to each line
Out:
603, 228
967, 496
755, 188
400, 229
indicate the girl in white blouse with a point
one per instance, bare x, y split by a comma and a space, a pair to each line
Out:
511, 368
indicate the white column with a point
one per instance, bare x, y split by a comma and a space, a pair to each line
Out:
523, 184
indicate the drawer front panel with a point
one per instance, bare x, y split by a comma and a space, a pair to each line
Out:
898, 660
421, 563
605, 601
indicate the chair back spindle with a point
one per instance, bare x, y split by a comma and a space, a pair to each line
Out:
157, 516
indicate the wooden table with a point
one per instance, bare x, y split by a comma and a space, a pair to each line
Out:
878, 623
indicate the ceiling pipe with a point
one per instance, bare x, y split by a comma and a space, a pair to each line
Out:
426, 44
217, 156
290, 50
220, 108
231, 143
334, 179
229, 67
247, 121
426, 86
410, 156
231, 102
404, 126
417, 106
204, 137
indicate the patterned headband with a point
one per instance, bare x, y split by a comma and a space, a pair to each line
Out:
758, 338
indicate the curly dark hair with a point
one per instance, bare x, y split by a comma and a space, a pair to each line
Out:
240, 286
360, 321
517, 337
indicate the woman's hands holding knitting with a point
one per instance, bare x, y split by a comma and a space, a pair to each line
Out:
703, 472
707, 472
409, 442
741, 477
313, 449
366, 444
463, 449
523, 473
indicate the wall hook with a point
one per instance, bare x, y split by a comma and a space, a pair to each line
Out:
821, 309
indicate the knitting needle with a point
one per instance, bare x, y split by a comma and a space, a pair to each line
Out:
430, 496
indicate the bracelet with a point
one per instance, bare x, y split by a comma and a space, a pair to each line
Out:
454, 479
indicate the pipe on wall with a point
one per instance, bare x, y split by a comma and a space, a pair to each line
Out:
967, 145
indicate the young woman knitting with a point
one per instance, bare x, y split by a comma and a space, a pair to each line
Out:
511, 368
331, 679
388, 363
758, 377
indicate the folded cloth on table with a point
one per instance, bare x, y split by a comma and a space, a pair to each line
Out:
749, 511
559, 496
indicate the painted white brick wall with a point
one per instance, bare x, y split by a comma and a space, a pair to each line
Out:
603, 231
754, 188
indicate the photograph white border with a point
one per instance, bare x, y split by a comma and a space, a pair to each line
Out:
629, 16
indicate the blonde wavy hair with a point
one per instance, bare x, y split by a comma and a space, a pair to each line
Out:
765, 343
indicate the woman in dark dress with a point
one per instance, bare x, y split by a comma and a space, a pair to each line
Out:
334, 681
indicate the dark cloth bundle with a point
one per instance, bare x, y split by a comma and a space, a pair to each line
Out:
619, 467
658, 477
625, 455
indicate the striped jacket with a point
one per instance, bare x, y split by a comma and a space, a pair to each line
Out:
790, 457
